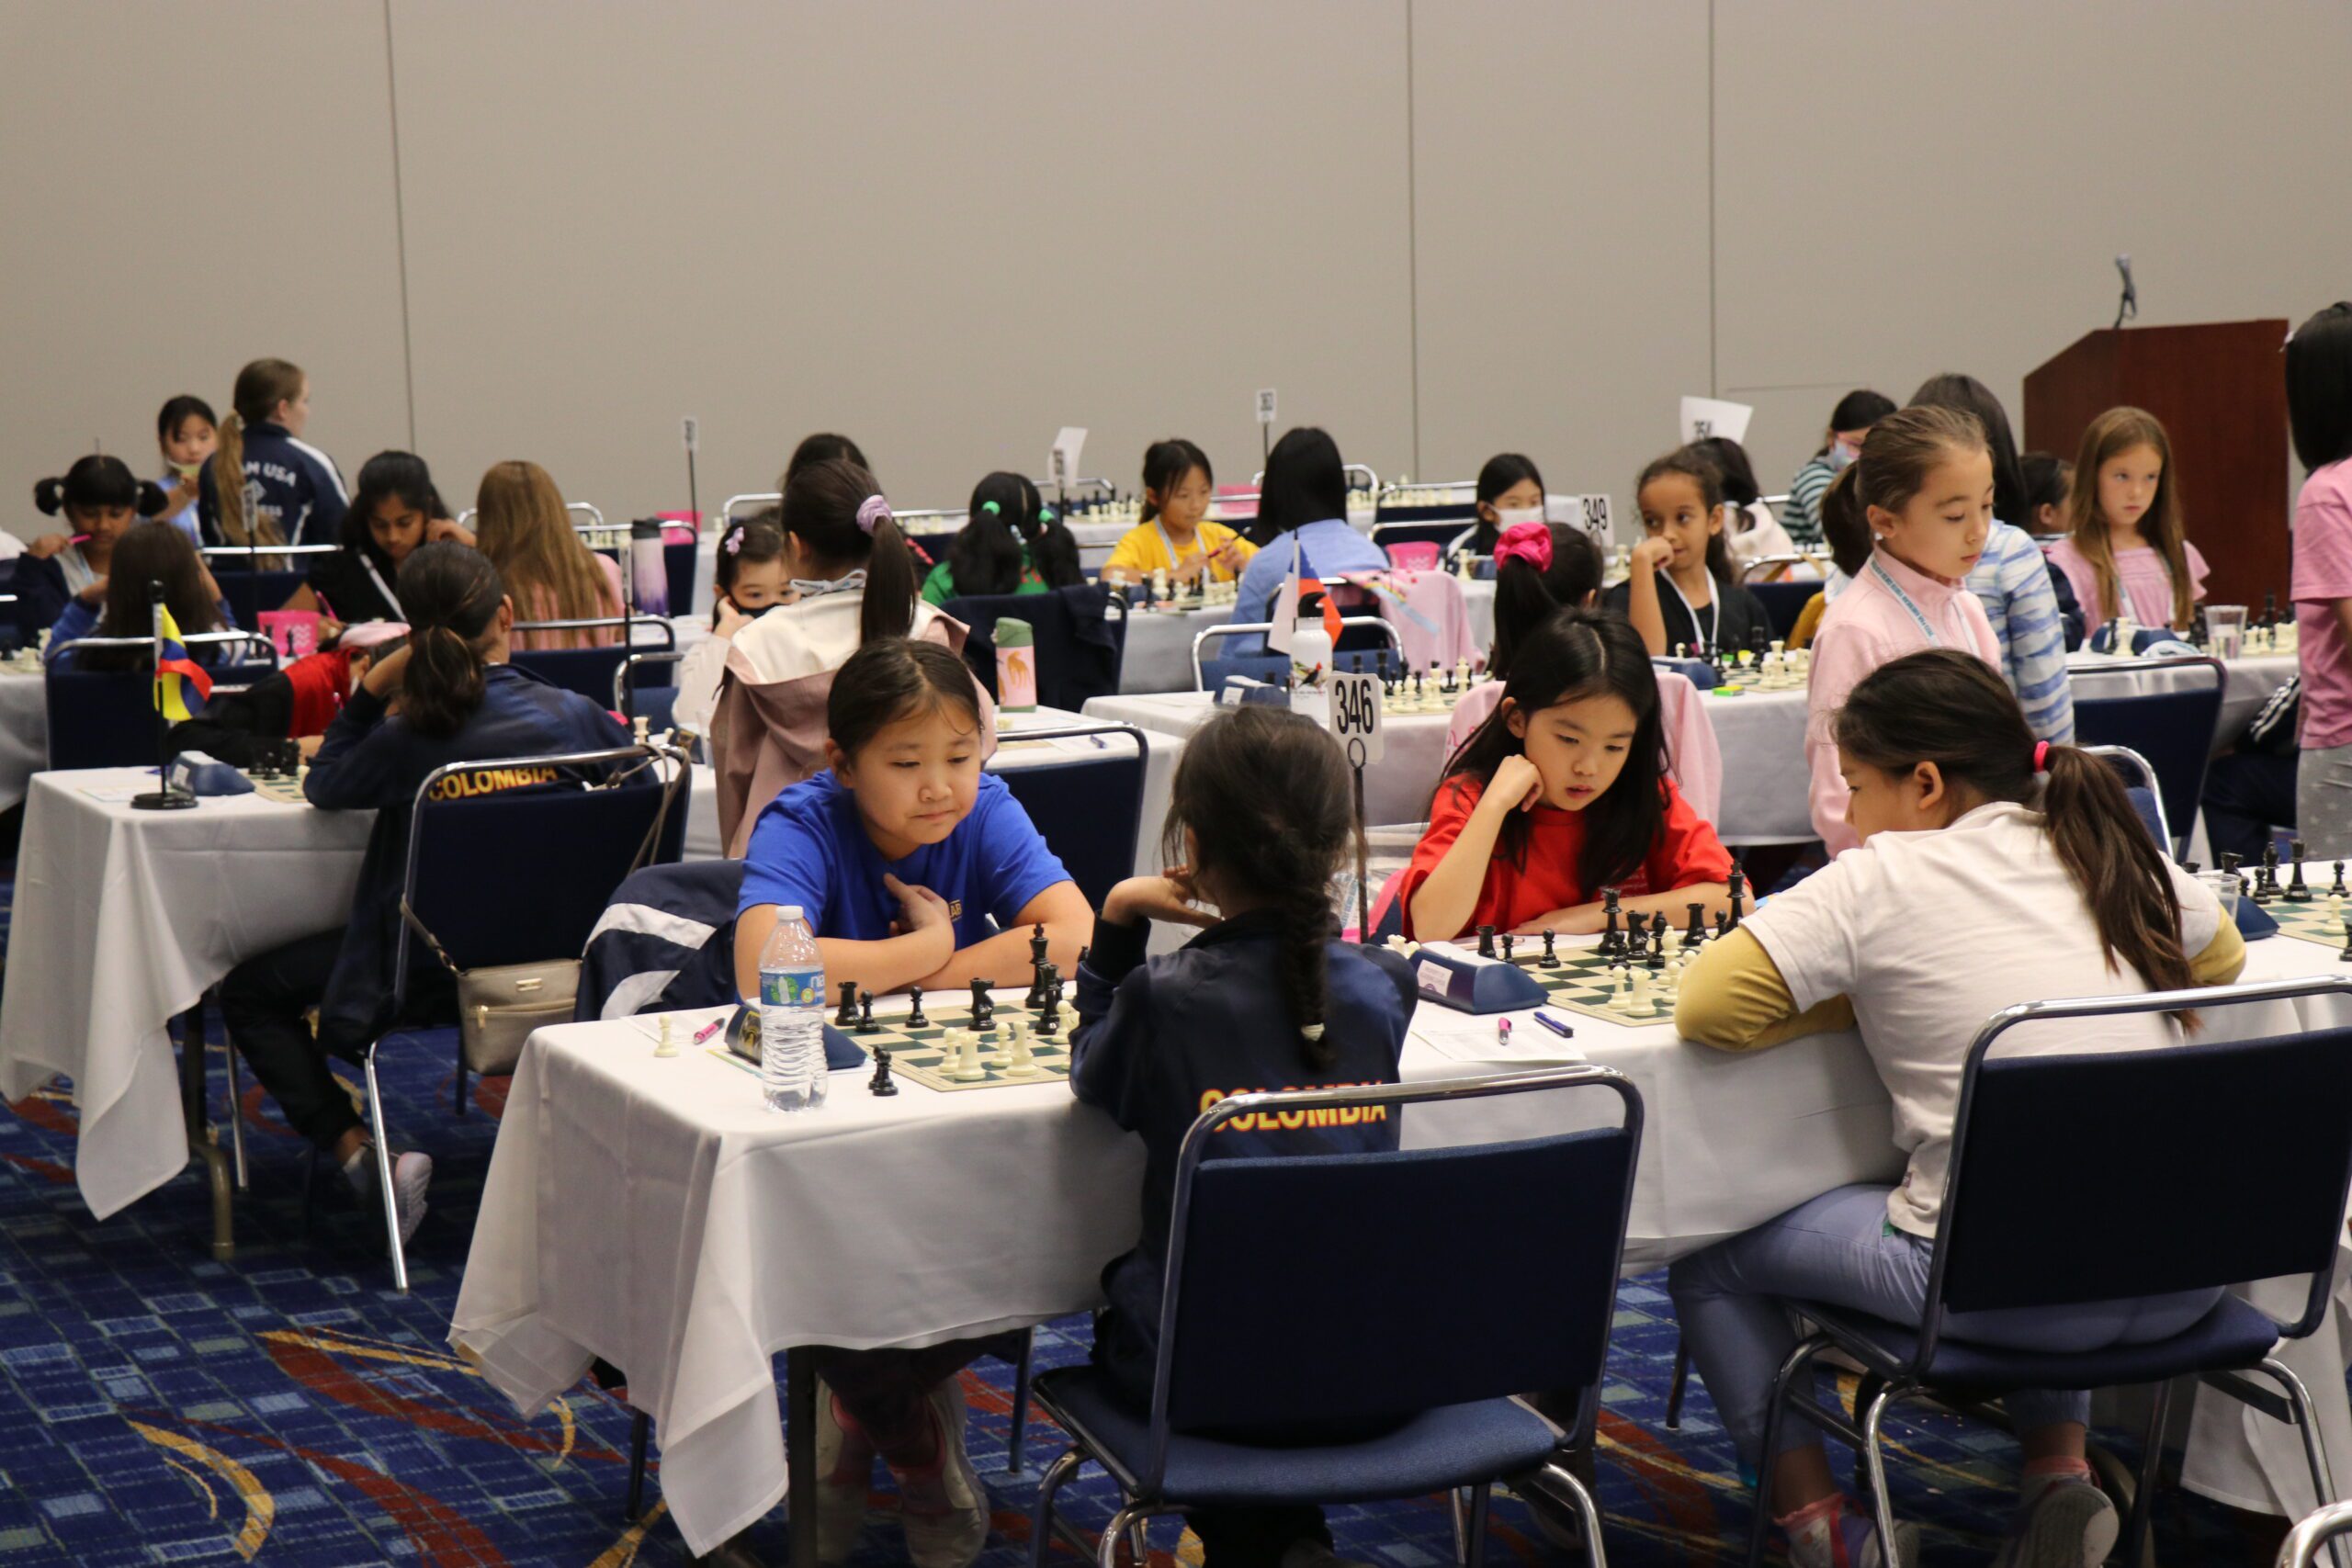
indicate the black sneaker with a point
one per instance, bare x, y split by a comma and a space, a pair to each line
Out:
411, 1173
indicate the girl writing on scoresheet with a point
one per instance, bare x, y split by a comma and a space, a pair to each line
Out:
1175, 536
1992, 869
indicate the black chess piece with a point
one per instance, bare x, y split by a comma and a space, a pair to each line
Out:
1486, 942
2266, 877
881, 1084
1508, 943
866, 1024
1551, 950
1655, 958
2297, 890
2346, 956
915, 1020
1697, 935
1037, 967
1049, 1016
1049, 985
1723, 925
2336, 889
1737, 890
983, 1005
847, 1017
1612, 941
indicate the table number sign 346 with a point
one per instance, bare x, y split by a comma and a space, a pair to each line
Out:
1355, 717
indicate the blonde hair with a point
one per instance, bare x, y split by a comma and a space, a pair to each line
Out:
261, 387
522, 526
2110, 434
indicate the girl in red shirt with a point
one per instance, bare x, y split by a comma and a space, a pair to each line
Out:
1561, 794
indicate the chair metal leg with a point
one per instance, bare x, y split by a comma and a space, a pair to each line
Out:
1457, 1510
1799, 1364
1016, 1442
1139, 1541
2144, 1487
1041, 1513
236, 1115
1674, 1390
641, 1427
1881, 1508
1106, 1549
384, 1174
2314, 1453
1481, 1495
1587, 1513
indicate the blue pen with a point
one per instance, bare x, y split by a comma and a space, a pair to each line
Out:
1556, 1026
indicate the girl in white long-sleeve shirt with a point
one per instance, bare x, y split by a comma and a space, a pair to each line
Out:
749, 581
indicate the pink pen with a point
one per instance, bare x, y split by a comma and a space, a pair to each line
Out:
707, 1030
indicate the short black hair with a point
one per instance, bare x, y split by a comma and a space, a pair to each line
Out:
175, 411
1860, 408
1304, 483
2318, 387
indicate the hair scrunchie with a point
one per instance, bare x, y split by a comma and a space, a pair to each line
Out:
1312, 1031
1530, 542
990, 507
871, 512
2041, 756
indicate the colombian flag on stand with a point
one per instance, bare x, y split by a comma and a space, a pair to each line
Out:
175, 672
1300, 581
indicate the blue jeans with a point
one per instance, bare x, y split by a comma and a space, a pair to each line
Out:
1839, 1249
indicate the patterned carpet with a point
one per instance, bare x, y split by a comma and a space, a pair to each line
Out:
288, 1407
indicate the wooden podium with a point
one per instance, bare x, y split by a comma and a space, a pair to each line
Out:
2221, 390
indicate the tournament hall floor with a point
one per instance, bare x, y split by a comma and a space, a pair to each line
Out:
157, 1407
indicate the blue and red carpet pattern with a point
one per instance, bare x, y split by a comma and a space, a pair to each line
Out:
288, 1407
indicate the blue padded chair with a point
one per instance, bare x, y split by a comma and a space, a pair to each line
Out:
678, 566
1090, 808
1783, 602
106, 718
2223, 1164
1208, 674
2144, 789
250, 592
635, 695
559, 850
591, 671
1081, 637
2172, 729
1266, 1322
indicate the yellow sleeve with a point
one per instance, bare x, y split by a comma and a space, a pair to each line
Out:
1138, 551
1734, 1000
1808, 621
1214, 537
2223, 958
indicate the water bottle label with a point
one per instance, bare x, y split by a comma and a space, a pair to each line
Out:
792, 988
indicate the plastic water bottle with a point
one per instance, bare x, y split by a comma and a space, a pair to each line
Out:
792, 1015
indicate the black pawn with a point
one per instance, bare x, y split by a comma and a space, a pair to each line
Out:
2298, 891
2346, 957
1723, 925
1697, 935
915, 1018
2338, 890
847, 1017
2265, 879
1551, 952
1486, 942
881, 1084
1737, 889
866, 1024
1508, 943
1655, 959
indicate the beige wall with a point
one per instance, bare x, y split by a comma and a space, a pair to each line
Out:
1441, 230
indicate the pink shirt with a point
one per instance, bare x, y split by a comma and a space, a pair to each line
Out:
537, 603
2322, 575
1869, 624
2145, 580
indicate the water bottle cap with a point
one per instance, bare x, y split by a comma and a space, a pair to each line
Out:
790, 912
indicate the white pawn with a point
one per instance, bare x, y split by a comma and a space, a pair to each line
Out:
1622, 1002
967, 1059
666, 1047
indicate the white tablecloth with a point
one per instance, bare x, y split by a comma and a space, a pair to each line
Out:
122, 919
2247, 684
1396, 789
1159, 643
934, 1216
24, 732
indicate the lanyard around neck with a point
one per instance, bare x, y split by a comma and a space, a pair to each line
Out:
1715, 621
1886, 579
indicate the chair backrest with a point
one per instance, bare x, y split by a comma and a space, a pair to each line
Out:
1373, 627
2141, 786
1783, 602
1438, 526
101, 718
1088, 807
555, 852
250, 592
1071, 671
2206, 1164
592, 672
678, 566
2172, 725
1270, 1319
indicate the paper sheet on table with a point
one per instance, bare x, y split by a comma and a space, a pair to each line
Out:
1473, 1038
115, 791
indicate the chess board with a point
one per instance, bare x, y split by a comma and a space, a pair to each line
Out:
280, 787
2313, 921
1581, 982
921, 1055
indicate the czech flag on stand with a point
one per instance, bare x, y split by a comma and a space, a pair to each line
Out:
1301, 581
175, 672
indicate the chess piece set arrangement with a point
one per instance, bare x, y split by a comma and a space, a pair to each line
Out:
1437, 691
1203, 593
970, 1054
2263, 887
1778, 668
1645, 958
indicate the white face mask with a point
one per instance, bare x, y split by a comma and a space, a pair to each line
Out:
1840, 455
1512, 516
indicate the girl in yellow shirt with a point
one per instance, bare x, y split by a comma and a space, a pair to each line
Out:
1175, 536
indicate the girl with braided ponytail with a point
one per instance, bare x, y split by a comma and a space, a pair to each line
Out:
1992, 869
1266, 997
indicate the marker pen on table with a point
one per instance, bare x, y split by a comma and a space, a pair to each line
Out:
1556, 1026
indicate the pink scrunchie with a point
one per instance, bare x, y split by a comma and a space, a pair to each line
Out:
872, 511
2041, 756
1530, 542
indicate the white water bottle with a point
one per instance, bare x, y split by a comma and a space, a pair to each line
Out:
792, 1015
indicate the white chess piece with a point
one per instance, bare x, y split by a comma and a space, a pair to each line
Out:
967, 1059
666, 1047
1024, 1064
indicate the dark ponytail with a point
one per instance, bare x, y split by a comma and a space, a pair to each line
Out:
1526, 595
984, 559
1265, 796
98, 480
1947, 708
450, 595
836, 511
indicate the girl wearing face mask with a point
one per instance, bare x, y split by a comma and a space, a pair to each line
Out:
1922, 491
1511, 493
1849, 423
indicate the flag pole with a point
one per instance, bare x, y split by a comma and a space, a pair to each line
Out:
163, 797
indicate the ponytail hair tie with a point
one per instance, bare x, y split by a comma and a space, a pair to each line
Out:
1044, 514
1312, 1031
1530, 542
734, 545
871, 512
2041, 756
990, 507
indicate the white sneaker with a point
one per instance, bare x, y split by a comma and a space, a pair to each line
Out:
844, 1481
411, 1174
943, 1505
2071, 1524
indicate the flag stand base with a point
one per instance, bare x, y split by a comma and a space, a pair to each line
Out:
165, 799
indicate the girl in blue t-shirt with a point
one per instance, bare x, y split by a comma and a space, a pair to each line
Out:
903, 851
